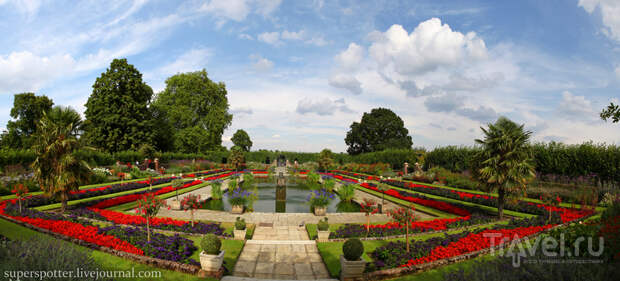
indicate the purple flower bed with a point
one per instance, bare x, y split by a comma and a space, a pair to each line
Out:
173, 248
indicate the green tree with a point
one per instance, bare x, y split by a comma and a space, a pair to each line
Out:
242, 139
325, 160
378, 130
506, 164
117, 114
192, 140
27, 111
236, 159
192, 100
57, 169
611, 112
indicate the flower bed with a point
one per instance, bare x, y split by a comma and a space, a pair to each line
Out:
133, 197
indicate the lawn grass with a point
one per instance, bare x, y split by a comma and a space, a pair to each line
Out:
105, 260
232, 250
111, 195
331, 251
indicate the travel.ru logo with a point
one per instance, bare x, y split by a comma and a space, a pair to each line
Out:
550, 247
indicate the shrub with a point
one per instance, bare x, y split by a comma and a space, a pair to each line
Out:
353, 249
216, 190
240, 224
346, 192
323, 225
211, 244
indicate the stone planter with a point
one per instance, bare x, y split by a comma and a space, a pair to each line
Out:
351, 270
211, 263
175, 205
237, 209
240, 234
323, 235
320, 211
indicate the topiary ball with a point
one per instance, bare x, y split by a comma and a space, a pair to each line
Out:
211, 244
323, 225
240, 224
353, 249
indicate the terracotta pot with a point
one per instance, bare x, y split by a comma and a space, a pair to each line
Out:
240, 234
320, 211
351, 270
237, 209
323, 235
211, 263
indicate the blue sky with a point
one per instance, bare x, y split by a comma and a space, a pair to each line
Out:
298, 73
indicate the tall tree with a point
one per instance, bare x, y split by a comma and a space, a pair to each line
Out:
506, 164
192, 100
27, 111
236, 158
379, 130
325, 159
611, 112
242, 139
117, 115
56, 167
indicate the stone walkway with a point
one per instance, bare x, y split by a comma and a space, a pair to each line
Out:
280, 252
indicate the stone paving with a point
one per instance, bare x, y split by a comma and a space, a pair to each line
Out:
281, 252
204, 192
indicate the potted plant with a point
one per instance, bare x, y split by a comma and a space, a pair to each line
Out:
323, 230
319, 199
211, 258
238, 198
240, 229
351, 264
176, 203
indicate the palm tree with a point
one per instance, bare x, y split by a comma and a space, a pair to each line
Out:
505, 161
56, 168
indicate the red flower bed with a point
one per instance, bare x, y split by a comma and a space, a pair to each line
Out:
443, 206
133, 197
436, 224
122, 218
476, 242
78, 231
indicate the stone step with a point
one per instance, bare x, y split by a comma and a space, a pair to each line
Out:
282, 242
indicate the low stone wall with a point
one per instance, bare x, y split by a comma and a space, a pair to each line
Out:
165, 264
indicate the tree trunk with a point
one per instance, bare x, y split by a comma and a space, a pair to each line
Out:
407, 235
19, 201
63, 200
367, 225
500, 202
192, 212
148, 230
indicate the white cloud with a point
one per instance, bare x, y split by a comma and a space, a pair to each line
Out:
429, 46
261, 64
192, 60
266, 7
276, 136
576, 107
245, 36
322, 107
293, 35
351, 57
272, 38
25, 71
242, 110
610, 12
235, 10
346, 82
443, 103
28, 7
618, 72
317, 41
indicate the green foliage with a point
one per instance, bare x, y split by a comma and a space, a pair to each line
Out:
216, 190
211, 244
117, 117
329, 184
506, 164
453, 158
248, 181
27, 110
147, 150
193, 106
312, 180
346, 192
242, 139
56, 168
240, 223
353, 249
378, 130
323, 225
236, 158
611, 112
325, 160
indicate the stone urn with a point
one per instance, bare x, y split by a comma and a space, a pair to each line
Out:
211, 263
351, 270
323, 235
320, 210
239, 234
175, 204
237, 209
